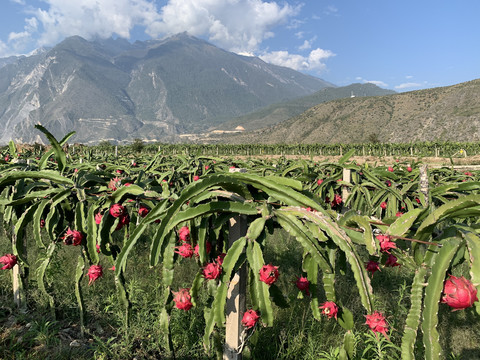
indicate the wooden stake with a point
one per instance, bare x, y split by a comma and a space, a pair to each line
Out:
236, 305
424, 182
17, 285
17, 297
347, 178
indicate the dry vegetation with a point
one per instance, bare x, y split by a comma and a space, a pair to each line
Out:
447, 114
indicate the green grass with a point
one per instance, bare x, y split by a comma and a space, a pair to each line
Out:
34, 334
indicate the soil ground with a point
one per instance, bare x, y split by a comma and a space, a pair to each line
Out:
470, 162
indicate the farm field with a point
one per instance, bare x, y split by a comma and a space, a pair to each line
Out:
472, 162
130, 254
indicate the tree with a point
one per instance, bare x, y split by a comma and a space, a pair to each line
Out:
137, 145
373, 138
105, 145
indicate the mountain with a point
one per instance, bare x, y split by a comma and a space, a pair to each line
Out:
443, 113
158, 89
277, 113
9, 60
13, 59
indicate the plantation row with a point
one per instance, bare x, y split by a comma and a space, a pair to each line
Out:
105, 212
417, 149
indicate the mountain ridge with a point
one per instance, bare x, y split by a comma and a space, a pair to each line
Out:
276, 113
450, 113
155, 90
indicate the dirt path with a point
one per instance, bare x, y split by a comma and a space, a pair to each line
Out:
471, 162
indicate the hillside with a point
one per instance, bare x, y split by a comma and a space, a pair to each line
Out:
276, 113
155, 90
444, 113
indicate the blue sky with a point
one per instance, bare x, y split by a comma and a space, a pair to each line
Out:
397, 44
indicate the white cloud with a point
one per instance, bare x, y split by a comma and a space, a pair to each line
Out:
318, 55
299, 34
58, 19
91, 18
407, 85
307, 44
19, 40
246, 53
331, 10
284, 58
236, 25
295, 24
4, 52
314, 61
375, 82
